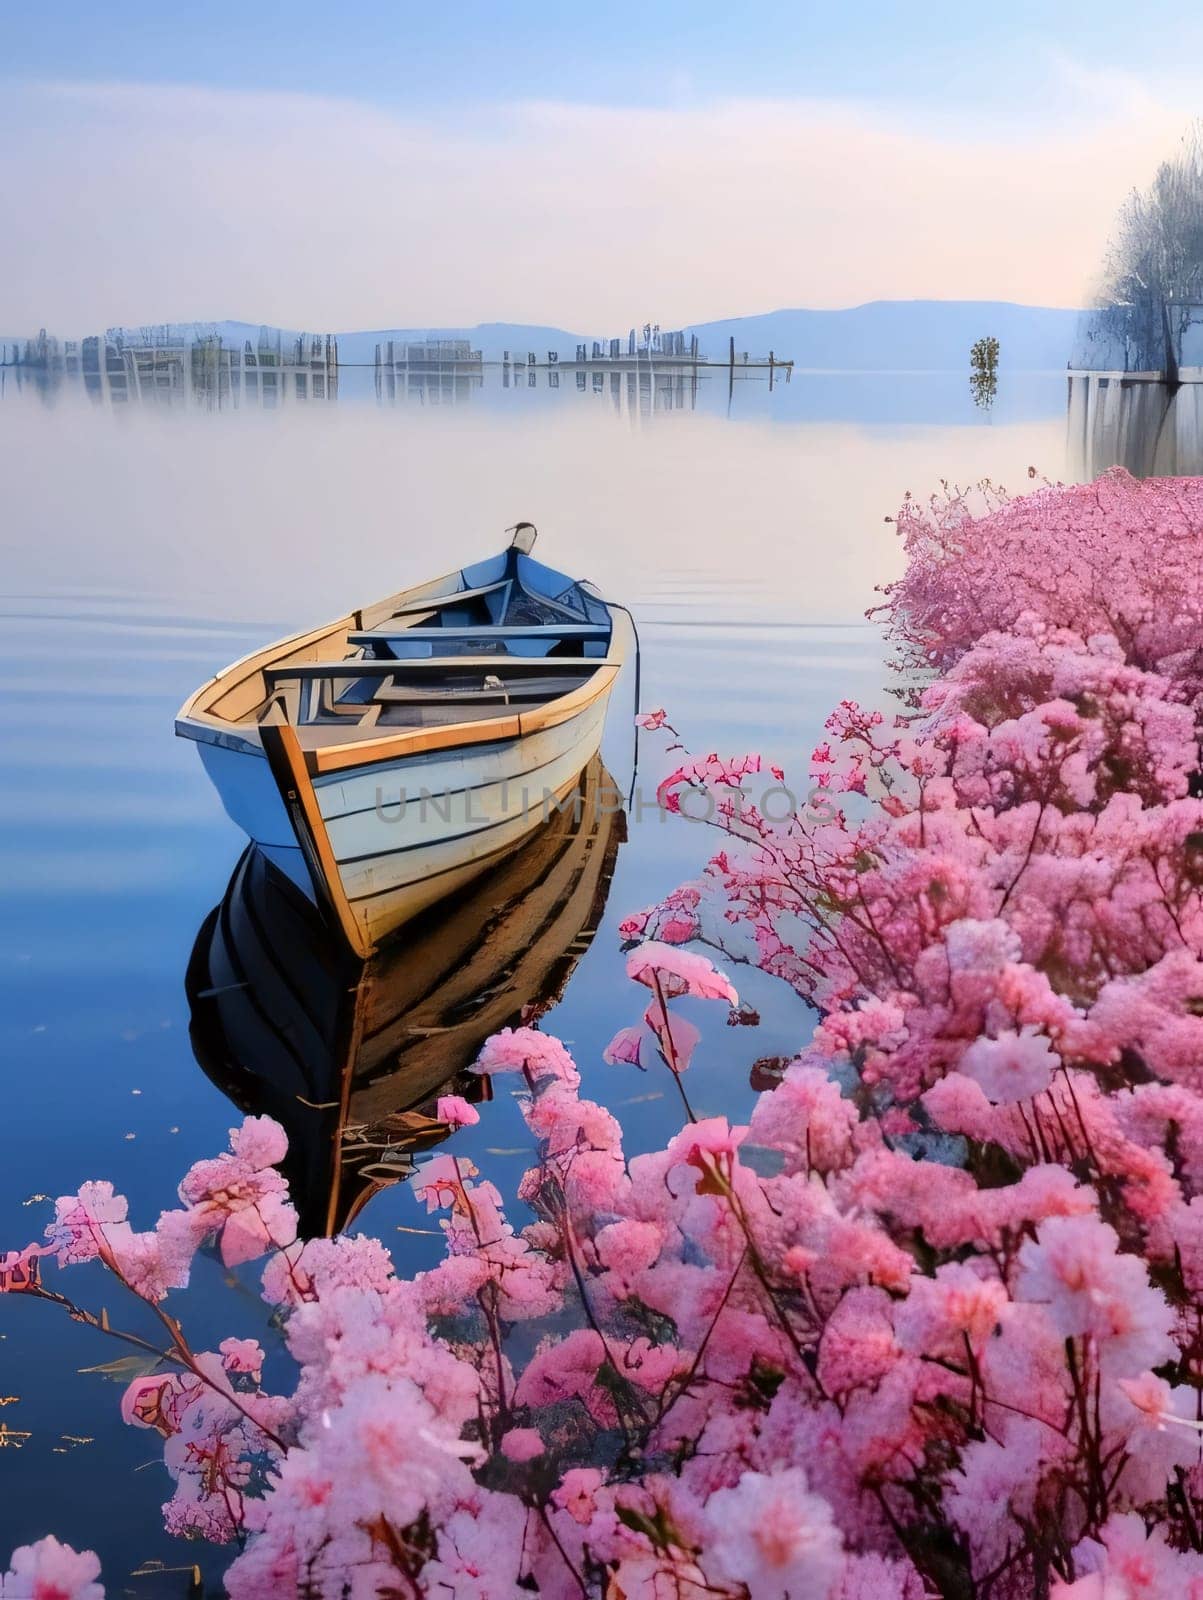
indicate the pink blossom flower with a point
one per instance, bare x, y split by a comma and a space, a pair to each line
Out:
454, 1110
997, 1482
957, 1307
635, 926
80, 1220
480, 1549
1015, 1066
49, 1570
577, 1493
1128, 1562
19, 1269
521, 1444
320, 1268
808, 1119
625, 1047
859, 1347
240, 1196
259, 1142
242, 1355
584, 1367
676, 1037
676, 925
770, 1533
1162, 1430
679, 972
445, 1181
1074, 1267
974, 945
627, 1248
706, 1145
529, 1051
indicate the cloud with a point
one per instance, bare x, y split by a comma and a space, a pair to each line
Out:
143, 203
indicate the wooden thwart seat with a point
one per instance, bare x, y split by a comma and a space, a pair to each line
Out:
392, 695
524, 689
515, 680
357, 667
484, 630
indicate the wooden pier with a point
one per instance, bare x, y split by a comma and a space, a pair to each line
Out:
195, 364
735, 364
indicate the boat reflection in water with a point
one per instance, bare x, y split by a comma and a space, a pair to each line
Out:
352, 1059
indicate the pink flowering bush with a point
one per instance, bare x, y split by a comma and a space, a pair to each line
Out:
931, 1322
1117, 556
49, 1570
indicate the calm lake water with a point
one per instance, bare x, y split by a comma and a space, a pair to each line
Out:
146, 549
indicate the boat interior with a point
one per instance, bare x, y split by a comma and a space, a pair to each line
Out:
503, 636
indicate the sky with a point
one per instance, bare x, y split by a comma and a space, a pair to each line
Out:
377, 163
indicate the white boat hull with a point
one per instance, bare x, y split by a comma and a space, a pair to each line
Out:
403, 834
386, 759
395, 857
251, 799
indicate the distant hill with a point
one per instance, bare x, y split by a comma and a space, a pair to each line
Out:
883, 336
901, 335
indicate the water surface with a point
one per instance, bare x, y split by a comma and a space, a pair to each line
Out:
146, 549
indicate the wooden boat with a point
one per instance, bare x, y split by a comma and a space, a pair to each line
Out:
350, 1057
387, 758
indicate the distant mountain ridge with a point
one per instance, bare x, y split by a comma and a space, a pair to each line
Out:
883, 335
880, 336
902, 335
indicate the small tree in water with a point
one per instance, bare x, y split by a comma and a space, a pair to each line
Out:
983, 371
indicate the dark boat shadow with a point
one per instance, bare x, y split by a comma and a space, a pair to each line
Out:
351, 1059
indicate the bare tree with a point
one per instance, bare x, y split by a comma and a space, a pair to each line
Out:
1153, 273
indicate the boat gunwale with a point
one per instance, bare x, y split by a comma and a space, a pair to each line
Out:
431, 588
195, 721
297, 641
